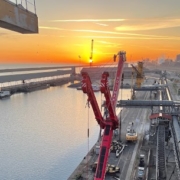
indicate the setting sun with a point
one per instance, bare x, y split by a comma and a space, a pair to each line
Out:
63, 37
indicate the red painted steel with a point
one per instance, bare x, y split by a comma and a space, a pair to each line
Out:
111, 122
108, 103
160, 115
87, 88
117, 83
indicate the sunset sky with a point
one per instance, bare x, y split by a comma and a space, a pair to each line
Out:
142, 28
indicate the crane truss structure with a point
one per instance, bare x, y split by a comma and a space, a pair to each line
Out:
111, 122
140, 75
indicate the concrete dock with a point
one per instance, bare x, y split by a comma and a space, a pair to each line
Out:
128, 161
31, 79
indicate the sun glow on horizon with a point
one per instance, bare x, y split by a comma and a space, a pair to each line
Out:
64, 37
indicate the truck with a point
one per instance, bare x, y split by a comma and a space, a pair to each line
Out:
141, 168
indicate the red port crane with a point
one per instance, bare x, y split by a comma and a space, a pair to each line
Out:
111, 122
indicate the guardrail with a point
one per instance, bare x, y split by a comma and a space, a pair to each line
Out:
147, 171
29, 5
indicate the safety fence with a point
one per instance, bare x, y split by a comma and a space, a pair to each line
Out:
29, 5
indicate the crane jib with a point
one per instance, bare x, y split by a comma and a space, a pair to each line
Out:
117, 81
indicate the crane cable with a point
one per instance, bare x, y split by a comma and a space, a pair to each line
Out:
87, 157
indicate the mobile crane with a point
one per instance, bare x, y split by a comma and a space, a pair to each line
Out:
111, 122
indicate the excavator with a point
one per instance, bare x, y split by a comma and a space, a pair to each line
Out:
110, 122
139, 77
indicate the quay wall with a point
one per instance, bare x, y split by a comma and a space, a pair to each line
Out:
18, 77
34, 81
32, 86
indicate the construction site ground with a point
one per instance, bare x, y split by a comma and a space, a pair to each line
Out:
128, 161
128, 156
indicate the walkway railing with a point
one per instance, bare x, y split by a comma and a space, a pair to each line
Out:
29, 5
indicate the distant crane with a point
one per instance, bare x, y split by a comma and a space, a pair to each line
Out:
140, 75
91, 57
15, 17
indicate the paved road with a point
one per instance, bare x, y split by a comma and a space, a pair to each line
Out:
128, 156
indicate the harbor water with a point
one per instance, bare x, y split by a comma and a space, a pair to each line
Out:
43, 134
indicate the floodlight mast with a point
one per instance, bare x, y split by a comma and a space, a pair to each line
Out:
91, 57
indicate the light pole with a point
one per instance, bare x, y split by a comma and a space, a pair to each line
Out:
91, 57
120, 118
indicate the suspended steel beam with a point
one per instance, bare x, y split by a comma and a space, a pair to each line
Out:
146, 103
150, 88
17, 18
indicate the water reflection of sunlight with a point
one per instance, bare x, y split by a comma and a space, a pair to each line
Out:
44, 133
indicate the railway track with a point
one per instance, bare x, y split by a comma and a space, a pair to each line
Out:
127, 157
160, 151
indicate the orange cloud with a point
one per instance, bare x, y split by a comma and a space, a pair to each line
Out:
138, 36
51, 28
88, 20
148, 24
101, 24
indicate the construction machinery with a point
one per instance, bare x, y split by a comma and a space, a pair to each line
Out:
139, 77
131, 134
109, 122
